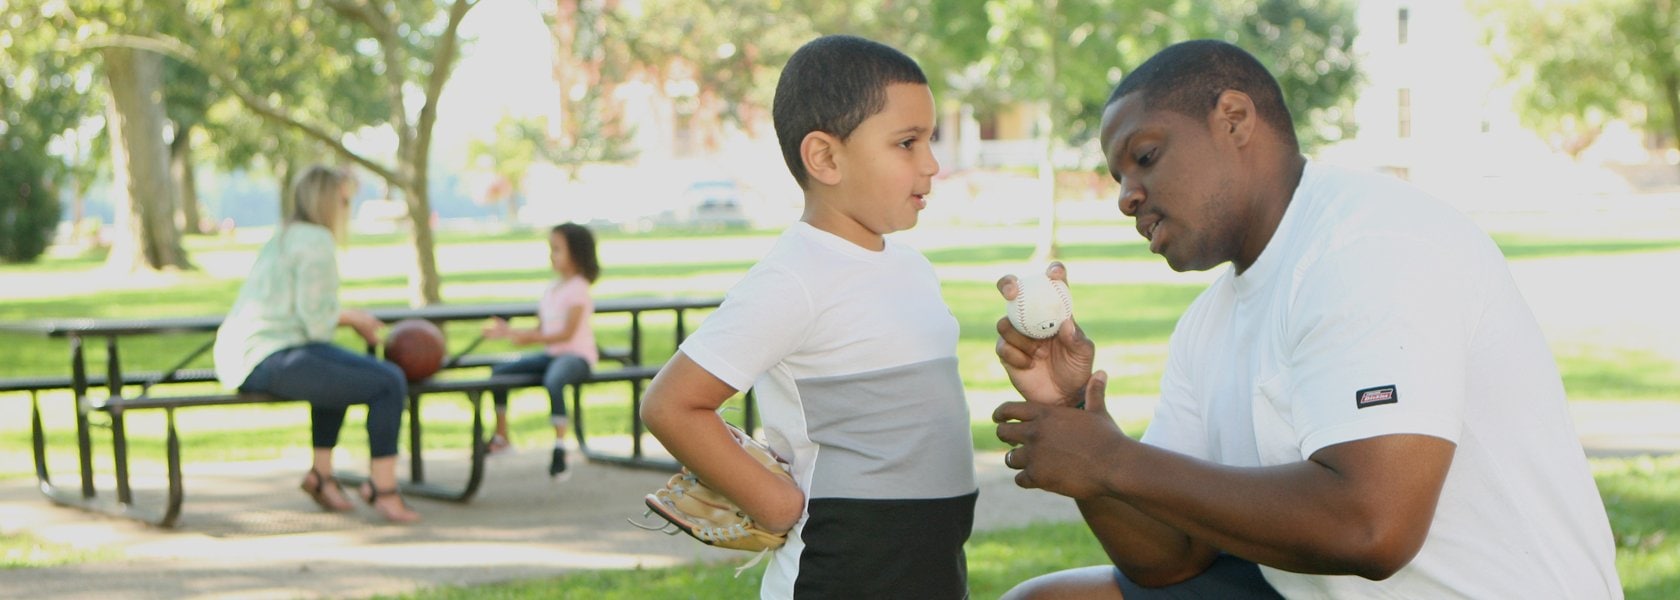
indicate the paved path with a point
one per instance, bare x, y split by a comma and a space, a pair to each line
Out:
248, 533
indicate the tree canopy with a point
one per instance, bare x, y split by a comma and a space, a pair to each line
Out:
254, 82
1580, 64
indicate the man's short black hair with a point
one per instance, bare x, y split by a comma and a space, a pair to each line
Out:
1188, 77
831, 84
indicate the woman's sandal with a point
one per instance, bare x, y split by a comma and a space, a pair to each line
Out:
371, 495
315, 484
497, 445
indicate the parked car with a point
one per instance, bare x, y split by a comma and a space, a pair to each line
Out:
380, 215
708, 205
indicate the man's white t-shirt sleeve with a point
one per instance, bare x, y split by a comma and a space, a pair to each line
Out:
762, 320
1379, 343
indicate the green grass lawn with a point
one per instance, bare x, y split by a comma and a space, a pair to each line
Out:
1643, 494
22, 551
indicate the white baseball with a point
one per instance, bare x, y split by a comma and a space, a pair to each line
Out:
1040, 306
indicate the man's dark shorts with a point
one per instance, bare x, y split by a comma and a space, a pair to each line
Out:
1227, 577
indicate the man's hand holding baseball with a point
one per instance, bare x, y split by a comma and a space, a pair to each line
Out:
1048, 371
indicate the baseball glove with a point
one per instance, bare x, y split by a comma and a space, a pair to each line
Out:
688, 505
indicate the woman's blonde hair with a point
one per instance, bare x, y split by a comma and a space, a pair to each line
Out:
320, 197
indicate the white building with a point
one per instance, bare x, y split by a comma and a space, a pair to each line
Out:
1434, 109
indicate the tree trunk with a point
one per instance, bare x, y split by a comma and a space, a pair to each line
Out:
423, 279
79, 186
1671, 93
423, 287
189, 218
414, 152
563, 66
78, 211
1047, 249
146, 237
283, 169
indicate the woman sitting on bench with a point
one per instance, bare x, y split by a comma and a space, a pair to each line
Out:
278, 340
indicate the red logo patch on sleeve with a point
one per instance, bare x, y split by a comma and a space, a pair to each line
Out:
1376, 396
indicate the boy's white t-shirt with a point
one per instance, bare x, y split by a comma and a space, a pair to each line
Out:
852, 356
1374, 310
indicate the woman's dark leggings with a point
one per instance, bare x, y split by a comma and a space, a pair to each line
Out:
331, 379
557, 371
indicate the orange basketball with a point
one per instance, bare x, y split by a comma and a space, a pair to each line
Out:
417, 346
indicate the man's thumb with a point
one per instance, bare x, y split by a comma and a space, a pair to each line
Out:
1095, 392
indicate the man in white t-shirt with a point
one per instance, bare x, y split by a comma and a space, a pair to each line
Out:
1361, 406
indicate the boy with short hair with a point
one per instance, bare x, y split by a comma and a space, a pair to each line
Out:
849, 345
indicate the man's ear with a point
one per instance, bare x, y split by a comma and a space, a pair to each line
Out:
820, 151
1234, 116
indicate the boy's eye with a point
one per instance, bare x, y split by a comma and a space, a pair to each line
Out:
1143, 160
907, 143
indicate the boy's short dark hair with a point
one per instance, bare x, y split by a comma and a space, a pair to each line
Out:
1188, 77
831, 84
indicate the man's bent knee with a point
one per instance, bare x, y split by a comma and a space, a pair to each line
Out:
1087, 582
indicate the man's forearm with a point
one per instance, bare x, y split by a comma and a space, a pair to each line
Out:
1358, 508
1147, 550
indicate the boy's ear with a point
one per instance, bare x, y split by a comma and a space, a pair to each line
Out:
1234, 116
820, 151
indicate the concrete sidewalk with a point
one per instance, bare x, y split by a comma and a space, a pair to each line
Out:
247, 531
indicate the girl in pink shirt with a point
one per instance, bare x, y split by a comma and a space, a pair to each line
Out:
563, 330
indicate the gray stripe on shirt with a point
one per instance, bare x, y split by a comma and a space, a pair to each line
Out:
898, 433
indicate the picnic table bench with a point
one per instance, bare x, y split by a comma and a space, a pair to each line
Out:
158, 390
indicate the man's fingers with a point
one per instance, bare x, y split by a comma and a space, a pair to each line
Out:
1017, 411
1014, 349
1057, 271
1006, 286
1070, 333
1003, 414
1013, 433
1004, 328
1012, 356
